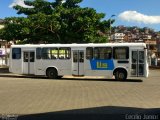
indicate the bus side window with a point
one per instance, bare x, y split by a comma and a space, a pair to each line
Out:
64, 53
38, 53
16, 53
108, 53
45, 53
89, 53
103, 53
49, 53
53, 54
121, 52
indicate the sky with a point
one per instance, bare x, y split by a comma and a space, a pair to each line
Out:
141, 13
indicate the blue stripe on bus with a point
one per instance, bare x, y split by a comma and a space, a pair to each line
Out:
102, 64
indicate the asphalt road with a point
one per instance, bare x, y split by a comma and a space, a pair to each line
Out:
40, 98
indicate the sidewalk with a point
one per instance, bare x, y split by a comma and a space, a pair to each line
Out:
4, 72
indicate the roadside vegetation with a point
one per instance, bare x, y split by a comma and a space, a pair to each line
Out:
56, 22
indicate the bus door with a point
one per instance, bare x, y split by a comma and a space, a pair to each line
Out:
28, 62
78, 62
137, 63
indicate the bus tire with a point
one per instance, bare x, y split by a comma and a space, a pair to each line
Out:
52, 73
120, 75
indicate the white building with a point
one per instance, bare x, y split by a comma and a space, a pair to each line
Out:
118, 37
147, 37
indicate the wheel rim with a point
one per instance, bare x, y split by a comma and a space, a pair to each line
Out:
51, 73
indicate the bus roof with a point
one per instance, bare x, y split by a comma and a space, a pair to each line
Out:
81, 45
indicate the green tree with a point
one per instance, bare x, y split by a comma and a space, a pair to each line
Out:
16, 28
57, 22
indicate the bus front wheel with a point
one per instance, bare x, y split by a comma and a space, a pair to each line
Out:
52, 73
120, 75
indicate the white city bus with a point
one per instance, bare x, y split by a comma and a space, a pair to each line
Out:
121, 60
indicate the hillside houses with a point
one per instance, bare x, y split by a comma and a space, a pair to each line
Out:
135, 34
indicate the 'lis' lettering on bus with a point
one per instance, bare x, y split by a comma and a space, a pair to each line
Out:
102, 65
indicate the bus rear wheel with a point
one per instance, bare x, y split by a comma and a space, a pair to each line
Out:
120, 75
52, 73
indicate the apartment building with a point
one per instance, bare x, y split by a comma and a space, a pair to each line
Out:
117, 37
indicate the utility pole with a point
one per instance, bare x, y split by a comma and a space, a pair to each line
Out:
110, 31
